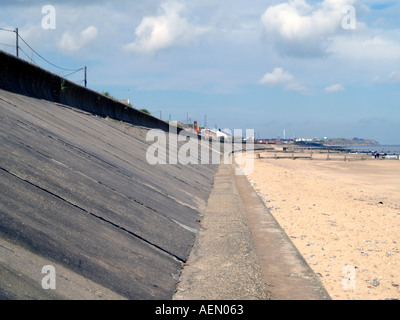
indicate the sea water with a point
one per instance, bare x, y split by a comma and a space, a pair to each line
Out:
382, 149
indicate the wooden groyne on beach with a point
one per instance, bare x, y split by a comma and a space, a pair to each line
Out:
316, 154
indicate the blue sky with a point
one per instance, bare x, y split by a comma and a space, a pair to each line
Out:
262, 65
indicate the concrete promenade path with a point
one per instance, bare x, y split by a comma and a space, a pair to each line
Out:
223, 263
241, 252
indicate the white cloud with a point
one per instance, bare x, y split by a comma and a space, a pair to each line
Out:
371, 47
277, 78
156, 33
334, 88
72, 43
281, 78
393, 77
297, 28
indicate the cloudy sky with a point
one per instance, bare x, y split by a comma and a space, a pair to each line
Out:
314, 68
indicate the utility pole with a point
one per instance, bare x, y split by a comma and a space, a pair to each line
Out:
85, 77
16, 42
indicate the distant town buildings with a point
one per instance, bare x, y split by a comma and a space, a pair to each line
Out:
306, 139
218, 134
207, 133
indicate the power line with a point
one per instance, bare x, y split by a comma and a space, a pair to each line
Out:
18, 47
44, 58
7, 30
30, 58
7, 45
70, 74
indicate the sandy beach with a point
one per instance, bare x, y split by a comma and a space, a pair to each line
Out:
344, 218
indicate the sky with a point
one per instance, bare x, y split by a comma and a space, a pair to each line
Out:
308, 68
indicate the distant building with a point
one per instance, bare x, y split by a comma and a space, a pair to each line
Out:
303, 140
274, 142
208, 133
223, 134
125, 101
215, 133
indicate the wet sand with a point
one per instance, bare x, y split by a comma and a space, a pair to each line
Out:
344, 218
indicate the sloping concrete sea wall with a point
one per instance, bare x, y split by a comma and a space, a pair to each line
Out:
77, 194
